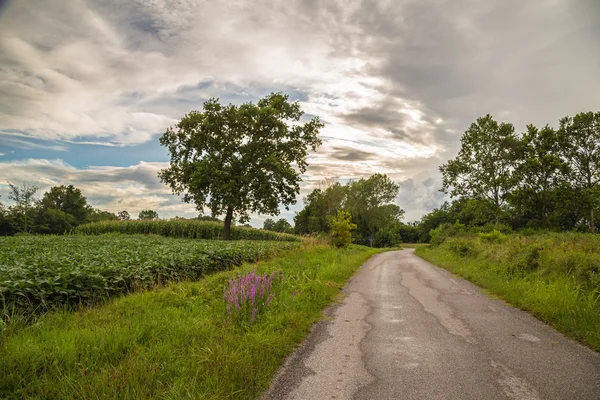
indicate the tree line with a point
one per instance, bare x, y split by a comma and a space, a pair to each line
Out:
543, 178
369, 202
60, 209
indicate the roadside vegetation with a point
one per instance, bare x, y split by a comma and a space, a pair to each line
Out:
554, 276
179, 341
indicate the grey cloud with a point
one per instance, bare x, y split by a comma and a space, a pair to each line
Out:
349, 154
420, 198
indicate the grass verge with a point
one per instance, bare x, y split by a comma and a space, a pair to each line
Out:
554, 276
176, 342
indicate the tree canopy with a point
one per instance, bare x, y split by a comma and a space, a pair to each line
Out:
237, 160
484, 166
369, 202
148, 215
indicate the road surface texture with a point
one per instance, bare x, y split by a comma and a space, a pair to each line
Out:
410, 330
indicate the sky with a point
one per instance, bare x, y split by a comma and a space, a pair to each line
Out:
88, 86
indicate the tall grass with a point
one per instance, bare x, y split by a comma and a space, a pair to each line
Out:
189, 229
554, 276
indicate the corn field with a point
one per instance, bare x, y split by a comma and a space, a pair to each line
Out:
188, 229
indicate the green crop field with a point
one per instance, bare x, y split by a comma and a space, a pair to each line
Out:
41, 272
189, 229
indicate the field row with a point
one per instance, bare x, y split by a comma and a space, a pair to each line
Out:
40, 272
189, 229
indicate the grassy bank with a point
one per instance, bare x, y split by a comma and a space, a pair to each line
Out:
556, 277
178, 341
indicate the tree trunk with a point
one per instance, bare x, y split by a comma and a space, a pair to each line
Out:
227, 227
592, 222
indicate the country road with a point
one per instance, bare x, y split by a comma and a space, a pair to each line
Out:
410, 330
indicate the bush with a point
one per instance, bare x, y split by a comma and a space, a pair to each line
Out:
341, 229
492, 237
387, 238
444, 231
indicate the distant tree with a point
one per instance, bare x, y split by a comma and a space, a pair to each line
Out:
371, 203
580, 140
123, 215
148, 215
240, 159
484, 166
282, 225
247, 226
24, 198
96, 215
5, 225
341, 229
540, 173
408, 233
54, 221
387, 237
67, 199
269, 224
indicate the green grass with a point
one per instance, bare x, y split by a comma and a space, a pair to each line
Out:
175, 342
41, 272
555, 277
190, 229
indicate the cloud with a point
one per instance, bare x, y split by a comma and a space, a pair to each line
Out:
132, 188
396, 82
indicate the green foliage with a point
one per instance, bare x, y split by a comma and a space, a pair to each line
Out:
240, 159
54, 221
148, 215
369, 201
387, 237
282, 225
580, 139
172, 342
445, 231
97, 215
494, 236
24, 198
341, 229
181, 228
408, 233
69, 200
556, 276
484, 166
39, 272
269, 224
123, 216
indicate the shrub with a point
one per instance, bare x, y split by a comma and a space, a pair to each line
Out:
341, 229
494, 236
387, 238
444, 231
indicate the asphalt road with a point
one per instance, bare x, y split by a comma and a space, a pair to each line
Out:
410, 330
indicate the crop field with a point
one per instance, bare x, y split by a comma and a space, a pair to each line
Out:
189, 229
40, 272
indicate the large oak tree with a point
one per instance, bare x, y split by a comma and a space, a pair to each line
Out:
240, 159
